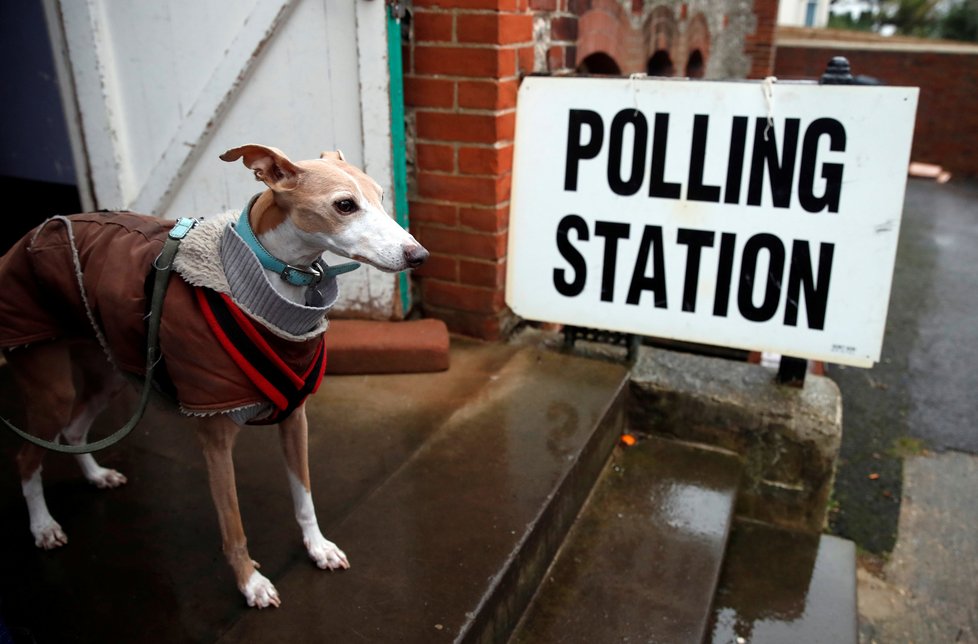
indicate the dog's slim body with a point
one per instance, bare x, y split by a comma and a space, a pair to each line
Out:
309, 207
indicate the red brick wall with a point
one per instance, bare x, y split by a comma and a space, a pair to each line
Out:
604, 31
462, 61
759, 44
461, 75
604, 27
947, 112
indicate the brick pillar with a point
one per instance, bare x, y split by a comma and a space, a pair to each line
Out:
461, 77
759, 45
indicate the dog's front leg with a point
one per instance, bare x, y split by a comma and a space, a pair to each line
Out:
217, 435
294, 432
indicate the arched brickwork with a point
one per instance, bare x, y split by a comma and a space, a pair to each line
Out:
660, 64
604, 29
662, 46
599, 63
463, 61
695, 64
697, 46
721, 38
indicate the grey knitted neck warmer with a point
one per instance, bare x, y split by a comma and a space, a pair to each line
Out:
214, 256
251, 288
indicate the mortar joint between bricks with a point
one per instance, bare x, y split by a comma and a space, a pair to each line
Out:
445, 44
469, 111
458, 77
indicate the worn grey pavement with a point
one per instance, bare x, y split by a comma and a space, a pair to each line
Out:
921, 395
927, 592
907, 482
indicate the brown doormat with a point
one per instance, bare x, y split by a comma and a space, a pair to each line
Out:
365, 346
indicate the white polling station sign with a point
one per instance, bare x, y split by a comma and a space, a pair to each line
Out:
755, 215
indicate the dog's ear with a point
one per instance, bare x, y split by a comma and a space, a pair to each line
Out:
336, 155
269, 164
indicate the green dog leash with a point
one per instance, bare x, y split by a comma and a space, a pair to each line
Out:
163, 265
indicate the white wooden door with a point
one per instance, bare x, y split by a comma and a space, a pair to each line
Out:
159, 89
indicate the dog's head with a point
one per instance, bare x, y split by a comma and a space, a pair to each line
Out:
334, 205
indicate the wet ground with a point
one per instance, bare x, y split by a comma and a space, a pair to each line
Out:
921, 395
780, 586
444, 489
643, 558
909, 462
916, 399
926, 591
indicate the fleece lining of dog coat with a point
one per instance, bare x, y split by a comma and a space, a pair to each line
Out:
89, 277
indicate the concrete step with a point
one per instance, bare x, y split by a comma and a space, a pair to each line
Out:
452, 544
450, 492
643, 559
372, 346
782, 586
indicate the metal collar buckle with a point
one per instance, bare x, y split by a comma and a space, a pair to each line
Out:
301, 276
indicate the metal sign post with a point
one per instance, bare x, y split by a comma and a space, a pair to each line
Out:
792, 371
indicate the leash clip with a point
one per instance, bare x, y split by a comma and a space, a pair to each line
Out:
183, 226
180, 229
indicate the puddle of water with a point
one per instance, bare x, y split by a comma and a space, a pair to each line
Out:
786, 587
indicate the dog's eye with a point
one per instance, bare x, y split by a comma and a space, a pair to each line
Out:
345, 206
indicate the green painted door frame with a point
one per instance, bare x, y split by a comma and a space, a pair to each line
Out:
398, 140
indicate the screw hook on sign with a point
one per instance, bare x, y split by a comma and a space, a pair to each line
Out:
631, 82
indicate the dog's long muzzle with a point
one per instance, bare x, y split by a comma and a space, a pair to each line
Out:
415, 255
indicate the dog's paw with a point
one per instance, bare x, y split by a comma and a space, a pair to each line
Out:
259, 592
49, 535
105, 478
325, 553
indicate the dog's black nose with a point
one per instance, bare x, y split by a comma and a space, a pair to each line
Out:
415, 255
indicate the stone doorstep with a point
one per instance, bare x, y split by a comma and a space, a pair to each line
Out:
367, 346
655, 555
644, 556
450, 492
452, 544
789, 438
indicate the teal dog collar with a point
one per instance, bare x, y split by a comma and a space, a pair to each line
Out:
292, 274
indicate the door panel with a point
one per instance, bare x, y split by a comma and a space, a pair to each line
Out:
161, 89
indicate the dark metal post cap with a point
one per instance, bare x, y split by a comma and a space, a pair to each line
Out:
837, 72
